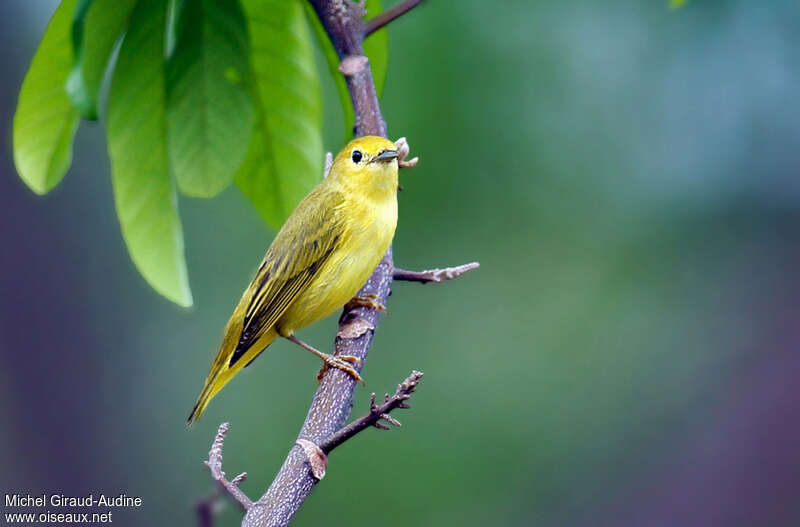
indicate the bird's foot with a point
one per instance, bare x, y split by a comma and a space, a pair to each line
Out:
370, 300
341, 362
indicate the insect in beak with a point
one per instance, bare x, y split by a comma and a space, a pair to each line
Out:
386, 155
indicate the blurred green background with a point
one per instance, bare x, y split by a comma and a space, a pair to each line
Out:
626, 174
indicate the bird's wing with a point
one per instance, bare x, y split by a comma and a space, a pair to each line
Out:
300, 249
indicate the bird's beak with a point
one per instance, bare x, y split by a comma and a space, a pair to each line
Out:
386, 155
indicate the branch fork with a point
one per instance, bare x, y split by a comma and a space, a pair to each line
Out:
316, 455
214, 464
317, 459
376, 413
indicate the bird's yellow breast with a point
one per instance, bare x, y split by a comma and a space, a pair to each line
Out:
368, 232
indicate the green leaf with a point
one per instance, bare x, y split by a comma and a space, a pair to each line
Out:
137, 132
96, 27
285, 158
45, 122
376, 47
209, 110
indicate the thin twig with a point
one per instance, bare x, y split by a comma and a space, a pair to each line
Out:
376, 413
434, 275
214, 464
374, 24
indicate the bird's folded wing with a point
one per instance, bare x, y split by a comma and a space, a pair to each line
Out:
300, 249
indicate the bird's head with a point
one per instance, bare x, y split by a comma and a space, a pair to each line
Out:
368, 164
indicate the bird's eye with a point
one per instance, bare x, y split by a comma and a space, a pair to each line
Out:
356, 156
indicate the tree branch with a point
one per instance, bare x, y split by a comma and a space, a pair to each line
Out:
333, 400
376, 413
434, 275
323, 428
374, 24
214, 464
317, 455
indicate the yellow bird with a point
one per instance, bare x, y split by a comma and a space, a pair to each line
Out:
320, 258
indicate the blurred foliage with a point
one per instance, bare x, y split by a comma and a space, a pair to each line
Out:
223, 91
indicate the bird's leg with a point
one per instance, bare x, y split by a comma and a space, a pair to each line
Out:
340, 362
369, 300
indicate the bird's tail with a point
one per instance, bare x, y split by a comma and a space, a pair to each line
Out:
221, 371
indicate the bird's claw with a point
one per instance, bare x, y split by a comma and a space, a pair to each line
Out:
370, 300
341, 362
